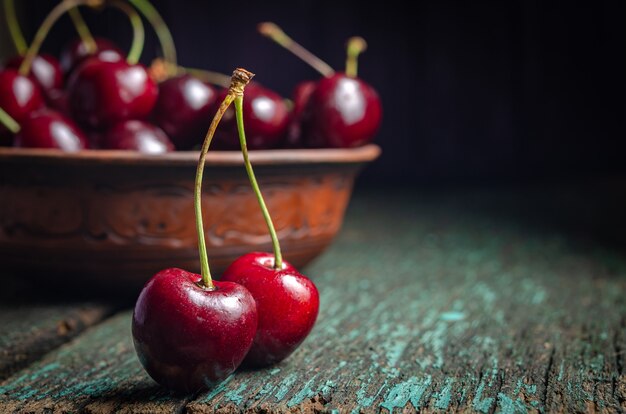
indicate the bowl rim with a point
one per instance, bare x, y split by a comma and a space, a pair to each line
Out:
362, 154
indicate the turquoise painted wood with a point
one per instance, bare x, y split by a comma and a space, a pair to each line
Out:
28, 332
467, 302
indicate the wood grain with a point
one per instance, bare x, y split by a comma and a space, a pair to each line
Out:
28, 332
437, 303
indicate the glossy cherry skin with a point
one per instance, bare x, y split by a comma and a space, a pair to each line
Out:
136, 135
45, 71
50, 129
301, 95
76, 52
265, 117
184, 109
19, 96
102, 93
342, 112
188, 338
287, 303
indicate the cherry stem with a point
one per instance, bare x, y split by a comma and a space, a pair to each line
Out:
139, 34
355, 46
272, 31
9, 122
14, 28
83, 30
65, 6
214, 78
205, 271
162, 31
278, 258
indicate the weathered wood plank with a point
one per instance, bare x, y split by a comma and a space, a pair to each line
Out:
95, 373
436, 309
465, 304
29, 331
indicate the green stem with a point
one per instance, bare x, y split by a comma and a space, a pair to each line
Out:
207, 280
9, 122
139, 35
83, 30
160, 28
43, 31
356, 45
278, 258
272, 31
65, 6
14, 27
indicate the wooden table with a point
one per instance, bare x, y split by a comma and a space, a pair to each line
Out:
475, 301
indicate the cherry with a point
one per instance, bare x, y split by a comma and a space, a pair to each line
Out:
189, 337
301, 95
287, 303
266, 117
50, 129
45, 71
189, 331
137, 136
183, 109
102, 93
19, 96
342, 111
77, 51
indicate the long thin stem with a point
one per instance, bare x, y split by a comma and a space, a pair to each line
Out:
272, 31
355, 46
162, 31
9, 122
66, 5
43, 31
207, 280
14, 27
278, 258
139, 34
83, 30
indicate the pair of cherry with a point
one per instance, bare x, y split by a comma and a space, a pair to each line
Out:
189, 337
191, 332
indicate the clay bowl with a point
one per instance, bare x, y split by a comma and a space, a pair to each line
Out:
117, 217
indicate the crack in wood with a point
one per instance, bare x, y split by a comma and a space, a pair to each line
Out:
546, 377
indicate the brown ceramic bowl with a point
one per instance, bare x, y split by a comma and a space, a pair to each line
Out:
120, 216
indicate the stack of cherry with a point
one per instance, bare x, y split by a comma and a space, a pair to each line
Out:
97, 98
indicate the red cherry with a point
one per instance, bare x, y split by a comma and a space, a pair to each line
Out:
102, 93
266, 118
287, 303
184, 109
137, 136
76, 52
342, 112
45, 71
50, 129
301, 95
187, 337
19, 96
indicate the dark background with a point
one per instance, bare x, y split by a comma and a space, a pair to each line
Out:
490, 91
